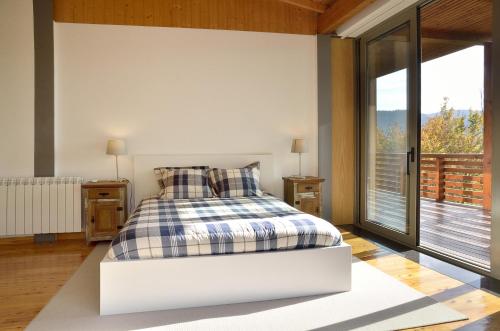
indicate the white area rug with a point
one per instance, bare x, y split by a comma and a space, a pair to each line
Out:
376, 302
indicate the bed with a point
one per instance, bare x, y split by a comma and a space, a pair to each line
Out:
200, 252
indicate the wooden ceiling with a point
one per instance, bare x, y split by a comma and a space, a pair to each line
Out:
458, 19
283, 16
442, 19
448, 26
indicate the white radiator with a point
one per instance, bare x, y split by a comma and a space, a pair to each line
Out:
40, 205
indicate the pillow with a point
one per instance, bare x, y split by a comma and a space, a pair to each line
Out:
239, 182
253, 165
185, 184
159, 170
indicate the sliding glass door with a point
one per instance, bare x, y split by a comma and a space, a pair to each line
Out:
456, 132
388, 135
426, 129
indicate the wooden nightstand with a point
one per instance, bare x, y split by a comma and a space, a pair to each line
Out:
104, 209
304, 194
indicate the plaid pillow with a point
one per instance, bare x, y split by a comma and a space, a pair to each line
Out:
239, 182
159, 173
185, 184
253, 165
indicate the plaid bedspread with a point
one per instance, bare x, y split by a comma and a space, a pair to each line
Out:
174, 228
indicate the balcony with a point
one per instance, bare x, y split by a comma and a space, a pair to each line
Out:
455, 202
454, 178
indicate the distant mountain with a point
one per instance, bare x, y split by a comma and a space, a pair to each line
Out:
388, 118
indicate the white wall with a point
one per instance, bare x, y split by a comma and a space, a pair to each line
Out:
16, 88
170, 90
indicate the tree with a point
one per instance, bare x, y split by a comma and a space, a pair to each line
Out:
392, 140
449, 133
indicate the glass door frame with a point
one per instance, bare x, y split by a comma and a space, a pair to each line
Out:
409, 17
412, 240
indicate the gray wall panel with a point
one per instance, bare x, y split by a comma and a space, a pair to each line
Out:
44, 87
325, 122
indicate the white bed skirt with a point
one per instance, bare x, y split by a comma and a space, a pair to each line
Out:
160, 284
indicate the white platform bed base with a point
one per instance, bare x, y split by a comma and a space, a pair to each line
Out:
160, 284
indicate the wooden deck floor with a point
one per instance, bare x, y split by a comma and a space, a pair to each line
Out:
458, 230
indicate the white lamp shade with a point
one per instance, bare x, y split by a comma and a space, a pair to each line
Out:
299, 146
116, 147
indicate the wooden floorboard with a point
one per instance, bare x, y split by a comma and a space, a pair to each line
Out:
456, 233
459, 230
482, 308
32, 274
444, 227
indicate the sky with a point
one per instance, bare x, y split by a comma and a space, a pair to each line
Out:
458, 76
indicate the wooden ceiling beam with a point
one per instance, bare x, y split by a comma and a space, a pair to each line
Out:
339, 12
454, 35
243, 15
307, 4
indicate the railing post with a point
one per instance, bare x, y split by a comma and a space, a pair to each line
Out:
440, 178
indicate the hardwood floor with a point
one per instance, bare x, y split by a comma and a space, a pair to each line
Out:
482, 308
32, 274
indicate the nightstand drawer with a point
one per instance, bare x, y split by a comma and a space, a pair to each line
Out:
104, 193
305, 187
310, 206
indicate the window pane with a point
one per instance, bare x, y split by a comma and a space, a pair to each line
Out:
455, 143
387, 88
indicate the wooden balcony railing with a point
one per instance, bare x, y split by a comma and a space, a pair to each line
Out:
390, 169
452, 177
443, 177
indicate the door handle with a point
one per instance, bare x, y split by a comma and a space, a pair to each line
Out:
410, 156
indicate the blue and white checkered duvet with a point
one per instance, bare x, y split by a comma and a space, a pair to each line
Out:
174, 228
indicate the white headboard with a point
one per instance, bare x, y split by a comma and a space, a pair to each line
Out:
146, 186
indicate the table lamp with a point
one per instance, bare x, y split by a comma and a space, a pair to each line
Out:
299, 146
116, 147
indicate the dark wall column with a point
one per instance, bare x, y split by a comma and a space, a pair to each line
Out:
488, 126
325, 122
44, 87
495, 224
